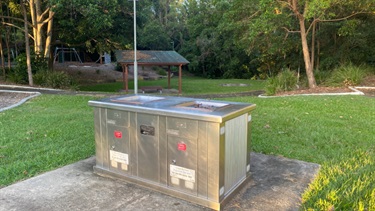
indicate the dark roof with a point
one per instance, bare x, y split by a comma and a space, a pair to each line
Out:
151, 57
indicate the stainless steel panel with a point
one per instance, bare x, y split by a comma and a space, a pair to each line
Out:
118, 118
163, 149
235, 151
182, 127
203, 159
133, 143
213, 164
148, 147
222, 162
119, 148
104, 143
98, 137
248, 144
182, 164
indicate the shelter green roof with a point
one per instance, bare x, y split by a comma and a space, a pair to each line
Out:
157, 58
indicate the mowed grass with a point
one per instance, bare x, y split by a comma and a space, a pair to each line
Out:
335, 131
190, 85
46, 132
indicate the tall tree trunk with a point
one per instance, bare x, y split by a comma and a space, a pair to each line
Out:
305, 47
39, 18
306, 55
27, 46
39, 28
34, 22
49, 36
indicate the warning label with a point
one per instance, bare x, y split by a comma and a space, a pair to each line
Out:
182, 173
119, 157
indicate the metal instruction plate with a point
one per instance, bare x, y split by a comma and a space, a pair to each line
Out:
182, 173
119, 157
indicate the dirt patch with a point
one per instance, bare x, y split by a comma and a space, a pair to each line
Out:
368, 81
89, 73
10, 98
317, 90
368, 92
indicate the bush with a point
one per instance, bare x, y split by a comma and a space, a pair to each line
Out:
19, 74
348, 75
54, 79
321, 77
118, 67
160, 71
284, 81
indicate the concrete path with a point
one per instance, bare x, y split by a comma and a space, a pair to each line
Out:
276, 184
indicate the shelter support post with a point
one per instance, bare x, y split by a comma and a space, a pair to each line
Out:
169, 77
179, 78
125, 77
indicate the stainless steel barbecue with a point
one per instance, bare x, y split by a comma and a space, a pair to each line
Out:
194, 149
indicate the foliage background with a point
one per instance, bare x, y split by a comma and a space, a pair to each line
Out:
221, 38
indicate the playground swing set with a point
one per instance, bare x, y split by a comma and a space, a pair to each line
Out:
60, 53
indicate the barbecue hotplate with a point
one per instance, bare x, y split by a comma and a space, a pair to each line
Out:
137, 99
202, 105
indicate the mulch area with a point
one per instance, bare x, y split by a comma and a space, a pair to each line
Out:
316, 90
11, 98
322, 90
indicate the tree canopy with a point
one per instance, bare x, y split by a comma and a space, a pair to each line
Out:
220, 38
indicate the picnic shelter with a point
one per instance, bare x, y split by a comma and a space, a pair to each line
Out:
151, 58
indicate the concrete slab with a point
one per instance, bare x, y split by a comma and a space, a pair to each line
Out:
276, 184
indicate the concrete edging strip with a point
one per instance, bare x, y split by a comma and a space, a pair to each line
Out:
28, 87
356, 92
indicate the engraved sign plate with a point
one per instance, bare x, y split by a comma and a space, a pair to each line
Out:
182, 173
119, 157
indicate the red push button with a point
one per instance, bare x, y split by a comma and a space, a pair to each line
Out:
118, 134
181, 146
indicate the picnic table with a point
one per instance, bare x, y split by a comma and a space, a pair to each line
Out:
152, 89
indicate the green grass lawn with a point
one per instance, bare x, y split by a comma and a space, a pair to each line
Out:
337, 132
190, 85
44, 133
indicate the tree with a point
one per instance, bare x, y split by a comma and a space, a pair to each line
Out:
27, 45
41, 14
162, 24
301, 16
99, 26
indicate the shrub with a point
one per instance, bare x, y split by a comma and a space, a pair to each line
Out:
54, 79
118, 67
160, 71
19, 75
284, 81
321, 77
348, 75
